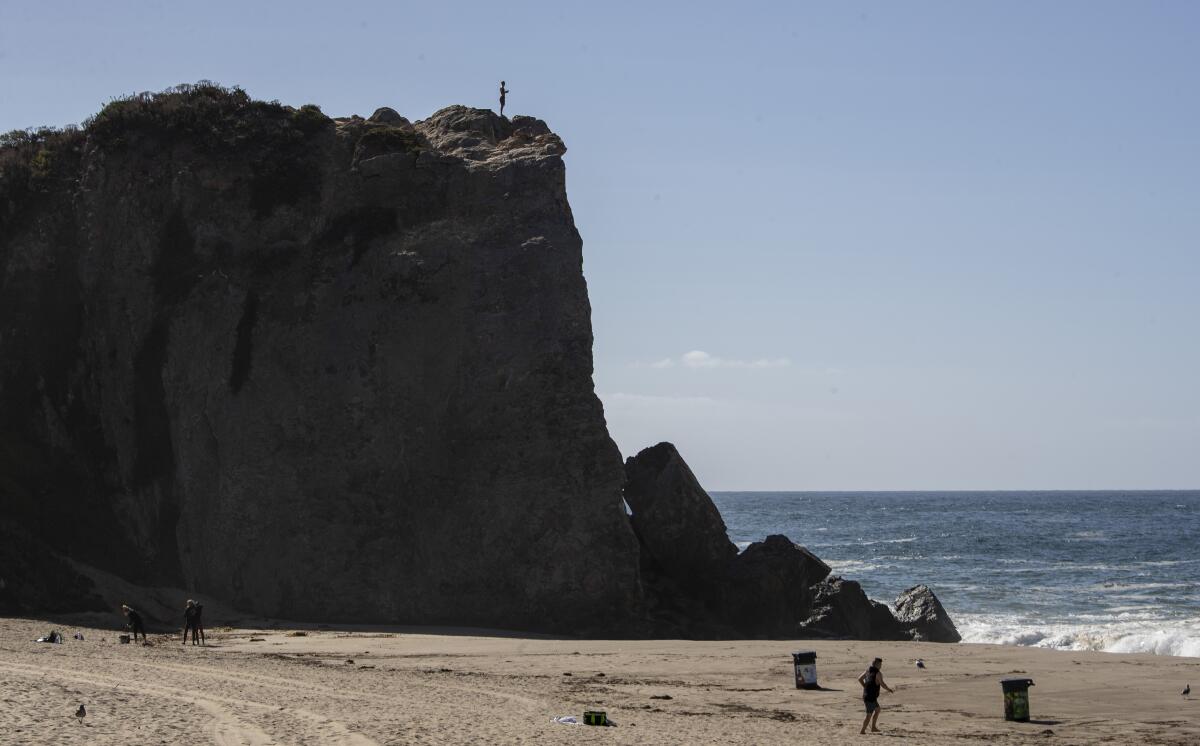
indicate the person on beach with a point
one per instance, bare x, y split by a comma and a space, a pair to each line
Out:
134, 622
871, 681
503, 93
189, 623
200, 623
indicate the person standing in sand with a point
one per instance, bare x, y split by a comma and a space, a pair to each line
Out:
135, 622
871, 680
200, 623
190, 622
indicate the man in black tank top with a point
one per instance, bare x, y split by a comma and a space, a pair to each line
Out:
871, 681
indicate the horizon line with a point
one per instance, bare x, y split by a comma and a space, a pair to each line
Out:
960, 491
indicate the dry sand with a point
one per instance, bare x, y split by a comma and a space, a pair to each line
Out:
433, 687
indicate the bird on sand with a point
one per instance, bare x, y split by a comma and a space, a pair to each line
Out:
81, 713
920, 663
1187, 689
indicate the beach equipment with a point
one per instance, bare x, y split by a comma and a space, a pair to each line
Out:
1016, 698
595, 717
805, 664
124, 639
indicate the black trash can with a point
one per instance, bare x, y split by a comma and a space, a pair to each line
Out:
1016, 699
805, 662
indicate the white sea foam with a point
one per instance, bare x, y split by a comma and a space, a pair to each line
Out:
852, 568
1161, 642
905, 540
1135, 632
1121, 586
1087, 536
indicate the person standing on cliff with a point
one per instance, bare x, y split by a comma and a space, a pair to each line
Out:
871, 680
503, 93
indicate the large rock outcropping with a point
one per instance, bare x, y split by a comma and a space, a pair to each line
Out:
325, 369
698, 585
340, 370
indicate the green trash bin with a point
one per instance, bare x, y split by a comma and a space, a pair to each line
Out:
1016, 699
805, 664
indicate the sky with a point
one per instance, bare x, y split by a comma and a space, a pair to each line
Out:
829, 246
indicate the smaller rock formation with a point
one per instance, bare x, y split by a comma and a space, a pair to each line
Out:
697, 585
767, 589
919, 610
840, 608
388, 115
680, 530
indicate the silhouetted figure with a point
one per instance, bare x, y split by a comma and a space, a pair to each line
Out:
134, 623
200, 623
81, 713
191, 615
503, 93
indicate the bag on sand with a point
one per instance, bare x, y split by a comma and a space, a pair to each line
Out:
595, 717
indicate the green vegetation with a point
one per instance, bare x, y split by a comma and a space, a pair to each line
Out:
209, 119
33, 161
310, 120
380, 139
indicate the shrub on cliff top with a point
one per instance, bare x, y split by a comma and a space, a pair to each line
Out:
378, 139
310, 119
209, 115
39, 151
33, 161
214, 119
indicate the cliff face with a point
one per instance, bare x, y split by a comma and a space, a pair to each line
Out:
334, 370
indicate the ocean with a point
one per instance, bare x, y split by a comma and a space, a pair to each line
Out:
1114, 571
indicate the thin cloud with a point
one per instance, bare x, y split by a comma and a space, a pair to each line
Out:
701, 359
698, 359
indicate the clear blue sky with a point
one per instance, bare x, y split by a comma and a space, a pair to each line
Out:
911, 245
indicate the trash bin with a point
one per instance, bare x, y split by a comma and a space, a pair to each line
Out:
805, 662
1016, 699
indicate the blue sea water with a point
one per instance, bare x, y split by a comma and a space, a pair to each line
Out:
1116, 571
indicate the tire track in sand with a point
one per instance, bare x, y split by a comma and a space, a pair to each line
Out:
530, 703
228, 729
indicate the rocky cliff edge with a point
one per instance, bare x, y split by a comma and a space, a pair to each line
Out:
326, 369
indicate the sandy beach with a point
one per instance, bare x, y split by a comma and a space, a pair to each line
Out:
410, 686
